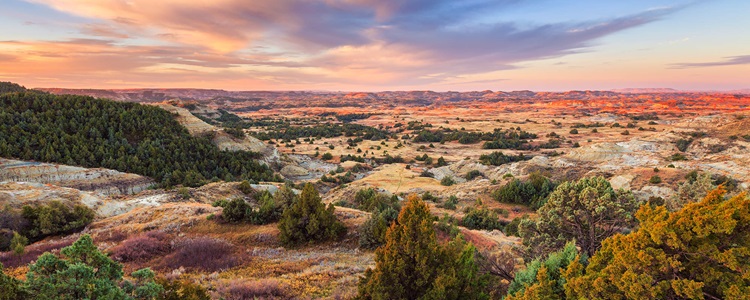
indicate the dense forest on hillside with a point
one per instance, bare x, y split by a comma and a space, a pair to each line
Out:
127, 137
9, 87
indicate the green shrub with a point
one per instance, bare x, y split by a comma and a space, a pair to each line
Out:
481, 218
497, 158
532, 192
655, 179
183, 193
551, 269
308, 220
245, 187
327, 156
473, 174
447, 224
10, 287
451, 202
447, 181
83, 271
682, 144
427, 196
268, 210
55, 218
512, 228
372, 231
372, 201
412, 264
677, 157
235, 210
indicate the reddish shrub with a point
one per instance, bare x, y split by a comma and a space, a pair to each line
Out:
204, 253
258, 289
112, 236
142, 247
10, 260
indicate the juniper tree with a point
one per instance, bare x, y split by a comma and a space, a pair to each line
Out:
308, 220
413, 265
698, 252
587, 211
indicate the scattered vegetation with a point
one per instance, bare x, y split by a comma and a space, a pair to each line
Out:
497, 158
498, 139
327, 130
83, 131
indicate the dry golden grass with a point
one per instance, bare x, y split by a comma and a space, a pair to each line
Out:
395, 178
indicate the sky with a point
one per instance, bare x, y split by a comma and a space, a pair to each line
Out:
377, 45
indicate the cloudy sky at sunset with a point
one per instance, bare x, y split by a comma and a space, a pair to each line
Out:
374, 45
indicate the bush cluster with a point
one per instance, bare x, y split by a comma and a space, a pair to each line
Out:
481, 218
202, 253
532, 192
308, 220
142, 247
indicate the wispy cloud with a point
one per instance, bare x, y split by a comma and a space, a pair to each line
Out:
727, 61
377, 42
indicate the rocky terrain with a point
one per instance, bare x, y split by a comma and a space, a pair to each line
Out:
99, 181
612, 139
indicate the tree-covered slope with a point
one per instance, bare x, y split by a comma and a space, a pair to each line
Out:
9, 87
128, 137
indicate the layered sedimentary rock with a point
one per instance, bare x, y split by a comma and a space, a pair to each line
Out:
101, 181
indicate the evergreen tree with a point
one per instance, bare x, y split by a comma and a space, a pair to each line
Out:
696, 186
86, 273
83, 272
285, 196
543, 279
587, 211
10, 288
307, 220
18, 243
699, 252
144, 287
413, 265
372, 231
235, 210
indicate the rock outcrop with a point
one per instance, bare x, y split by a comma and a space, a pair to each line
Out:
100, 181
